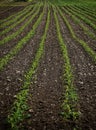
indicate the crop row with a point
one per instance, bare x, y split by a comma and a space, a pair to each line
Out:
82, 43
5, 10
77, 21
20, 30
13, 15
92, 10
86, 20
20, 104
22, 42
7, 23
70, 102
18, 22
91, 13
86, 14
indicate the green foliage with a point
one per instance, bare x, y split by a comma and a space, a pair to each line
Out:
69, 105
7, 23
20, 105
77, 21
21, 43
18, 109
20, 30
26, 15
83, 13
73, 2
84, 44
86, 20
13, 15
84, 10
20, 0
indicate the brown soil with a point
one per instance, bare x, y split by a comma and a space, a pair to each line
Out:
11, 78
47, 87
10, 11
3, 9
46, 92
16, 28
9, 45
80, 33
85, 24
84, 71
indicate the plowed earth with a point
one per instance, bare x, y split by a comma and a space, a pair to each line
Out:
47, 88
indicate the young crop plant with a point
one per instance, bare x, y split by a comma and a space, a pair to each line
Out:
87, 15
11, 36
13, 15
18, 22
84, 44
14, 19
20, 105
87, 11
21, 43
87, 21
8, 23
77, 21
92, 12
69, 106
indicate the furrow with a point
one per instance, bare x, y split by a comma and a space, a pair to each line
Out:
87, 11
46, 89
10, 12
20, 105
87, 21
84, 71
87, 15
6, 10
18, 17
70, 104
21, 29
79, 29
13, 73
86, 30
18, 22
82, 43
13, 15
21, 43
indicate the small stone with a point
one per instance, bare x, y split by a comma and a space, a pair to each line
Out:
14, 96
89, 74
7, 89
81, 82
8, 79
17, 72
55, 80
19, 79
1, 93
49, 59
31, 110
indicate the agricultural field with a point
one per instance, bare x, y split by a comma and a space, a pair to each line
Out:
48, 66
